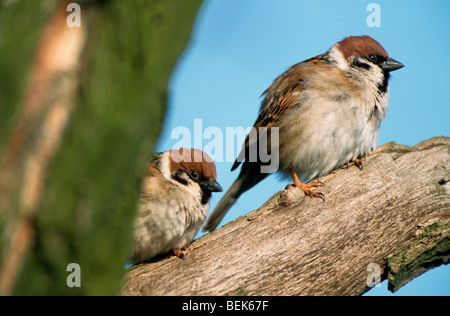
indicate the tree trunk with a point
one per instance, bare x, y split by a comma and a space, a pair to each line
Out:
390, 220
77, 132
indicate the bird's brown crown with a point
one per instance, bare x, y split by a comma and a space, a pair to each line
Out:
361, 46
193, 159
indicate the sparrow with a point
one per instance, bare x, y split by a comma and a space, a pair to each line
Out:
327, 111
174, 202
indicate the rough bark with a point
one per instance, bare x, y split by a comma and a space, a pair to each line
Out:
395, 213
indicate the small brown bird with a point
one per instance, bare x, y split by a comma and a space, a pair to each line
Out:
328, 111
174, 202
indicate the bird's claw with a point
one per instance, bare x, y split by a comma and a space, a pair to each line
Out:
358, 163
180, 253
306, 188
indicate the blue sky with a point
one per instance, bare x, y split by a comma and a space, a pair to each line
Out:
239, 46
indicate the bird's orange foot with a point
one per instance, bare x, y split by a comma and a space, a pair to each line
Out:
180, 253
306, 188
358, 163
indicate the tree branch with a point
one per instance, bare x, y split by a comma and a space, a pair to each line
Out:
394, 214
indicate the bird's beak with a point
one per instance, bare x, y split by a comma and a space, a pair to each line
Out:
212, 186
391, 65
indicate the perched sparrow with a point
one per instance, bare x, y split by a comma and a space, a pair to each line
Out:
174, 202
328, 111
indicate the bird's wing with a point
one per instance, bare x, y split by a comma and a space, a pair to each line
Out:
281, 96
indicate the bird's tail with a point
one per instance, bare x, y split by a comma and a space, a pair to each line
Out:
249, 176
227, 201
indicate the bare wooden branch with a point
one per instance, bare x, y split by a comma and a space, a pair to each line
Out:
395, 215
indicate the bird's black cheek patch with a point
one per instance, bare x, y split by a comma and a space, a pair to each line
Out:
360, 64
180, 176
383, 85
206, 196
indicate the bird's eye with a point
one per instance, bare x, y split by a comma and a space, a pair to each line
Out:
373, 57
194, 174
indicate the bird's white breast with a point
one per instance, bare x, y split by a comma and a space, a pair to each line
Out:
329, 129
168, 222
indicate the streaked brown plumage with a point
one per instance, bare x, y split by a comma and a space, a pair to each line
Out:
175, 195
328, 110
